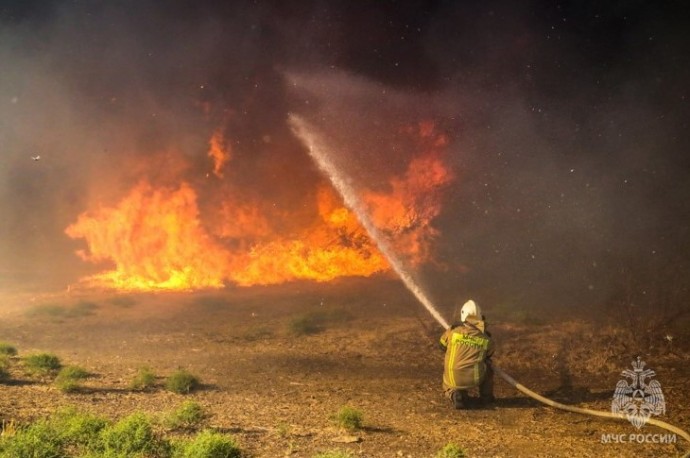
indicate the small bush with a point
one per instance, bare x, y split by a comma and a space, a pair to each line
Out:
182, 382
38, 440
78, 429
208, 444
69, 378
131, 436
258, 333
4, 368
189, 415
283, 429
68, 385
80, 309
123, 301
304, 325
451, 450
7, 349
42, 363
144, 380
349, 418
73, 372
334, 454
52, 437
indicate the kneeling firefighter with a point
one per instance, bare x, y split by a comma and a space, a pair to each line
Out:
468, 347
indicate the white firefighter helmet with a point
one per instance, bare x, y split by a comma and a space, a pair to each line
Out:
470, 308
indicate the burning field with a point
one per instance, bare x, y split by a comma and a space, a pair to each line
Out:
271, 199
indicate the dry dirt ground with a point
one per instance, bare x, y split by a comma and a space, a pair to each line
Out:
274, 384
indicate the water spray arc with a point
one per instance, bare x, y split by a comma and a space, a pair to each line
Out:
319, 152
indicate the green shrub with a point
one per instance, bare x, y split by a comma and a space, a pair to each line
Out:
69, 378
255, 333
80, 309
348, 418
283, 429
334, 454
316, 321
42, 363
70, 433
73, 372
60, 435
182, 382
123, 301
144, 380
78, 429
130, 436
189, 415
451, 450
7, 349
208, 444
68, 385
304, 325
4, 368
38, 440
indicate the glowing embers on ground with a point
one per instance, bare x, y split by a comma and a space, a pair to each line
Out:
157, 237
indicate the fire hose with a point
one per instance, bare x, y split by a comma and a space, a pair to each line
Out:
597, 413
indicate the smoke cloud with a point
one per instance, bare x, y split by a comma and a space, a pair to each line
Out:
566, 125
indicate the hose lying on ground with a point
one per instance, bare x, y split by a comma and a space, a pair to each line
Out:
596, 413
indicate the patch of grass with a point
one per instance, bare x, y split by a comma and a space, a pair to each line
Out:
74, 372
144, 380
78, 429
123, 301
70, 433
49, 310
80, 309
283, 429
7, 429
7, 349
182, 382
348, 418
132, 436
4, 367
304, 325
451, 450
258, 333
42, 363
38, 440
189, 415
208, 444
211, 303
69, 378
316, 321
68, 385
334, 454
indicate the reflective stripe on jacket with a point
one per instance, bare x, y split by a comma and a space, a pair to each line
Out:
467, 347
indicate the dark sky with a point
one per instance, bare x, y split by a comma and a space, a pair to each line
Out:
568, 124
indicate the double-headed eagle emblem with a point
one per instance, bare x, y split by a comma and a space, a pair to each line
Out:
639, 399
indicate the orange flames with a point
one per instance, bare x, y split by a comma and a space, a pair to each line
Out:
157, 237
219, 152
406, 211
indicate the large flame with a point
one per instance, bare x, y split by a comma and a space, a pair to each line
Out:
405, 211
156, 237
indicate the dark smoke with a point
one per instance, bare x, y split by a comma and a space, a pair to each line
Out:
568, 124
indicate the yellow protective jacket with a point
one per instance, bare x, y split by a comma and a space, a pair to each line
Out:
467, 347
